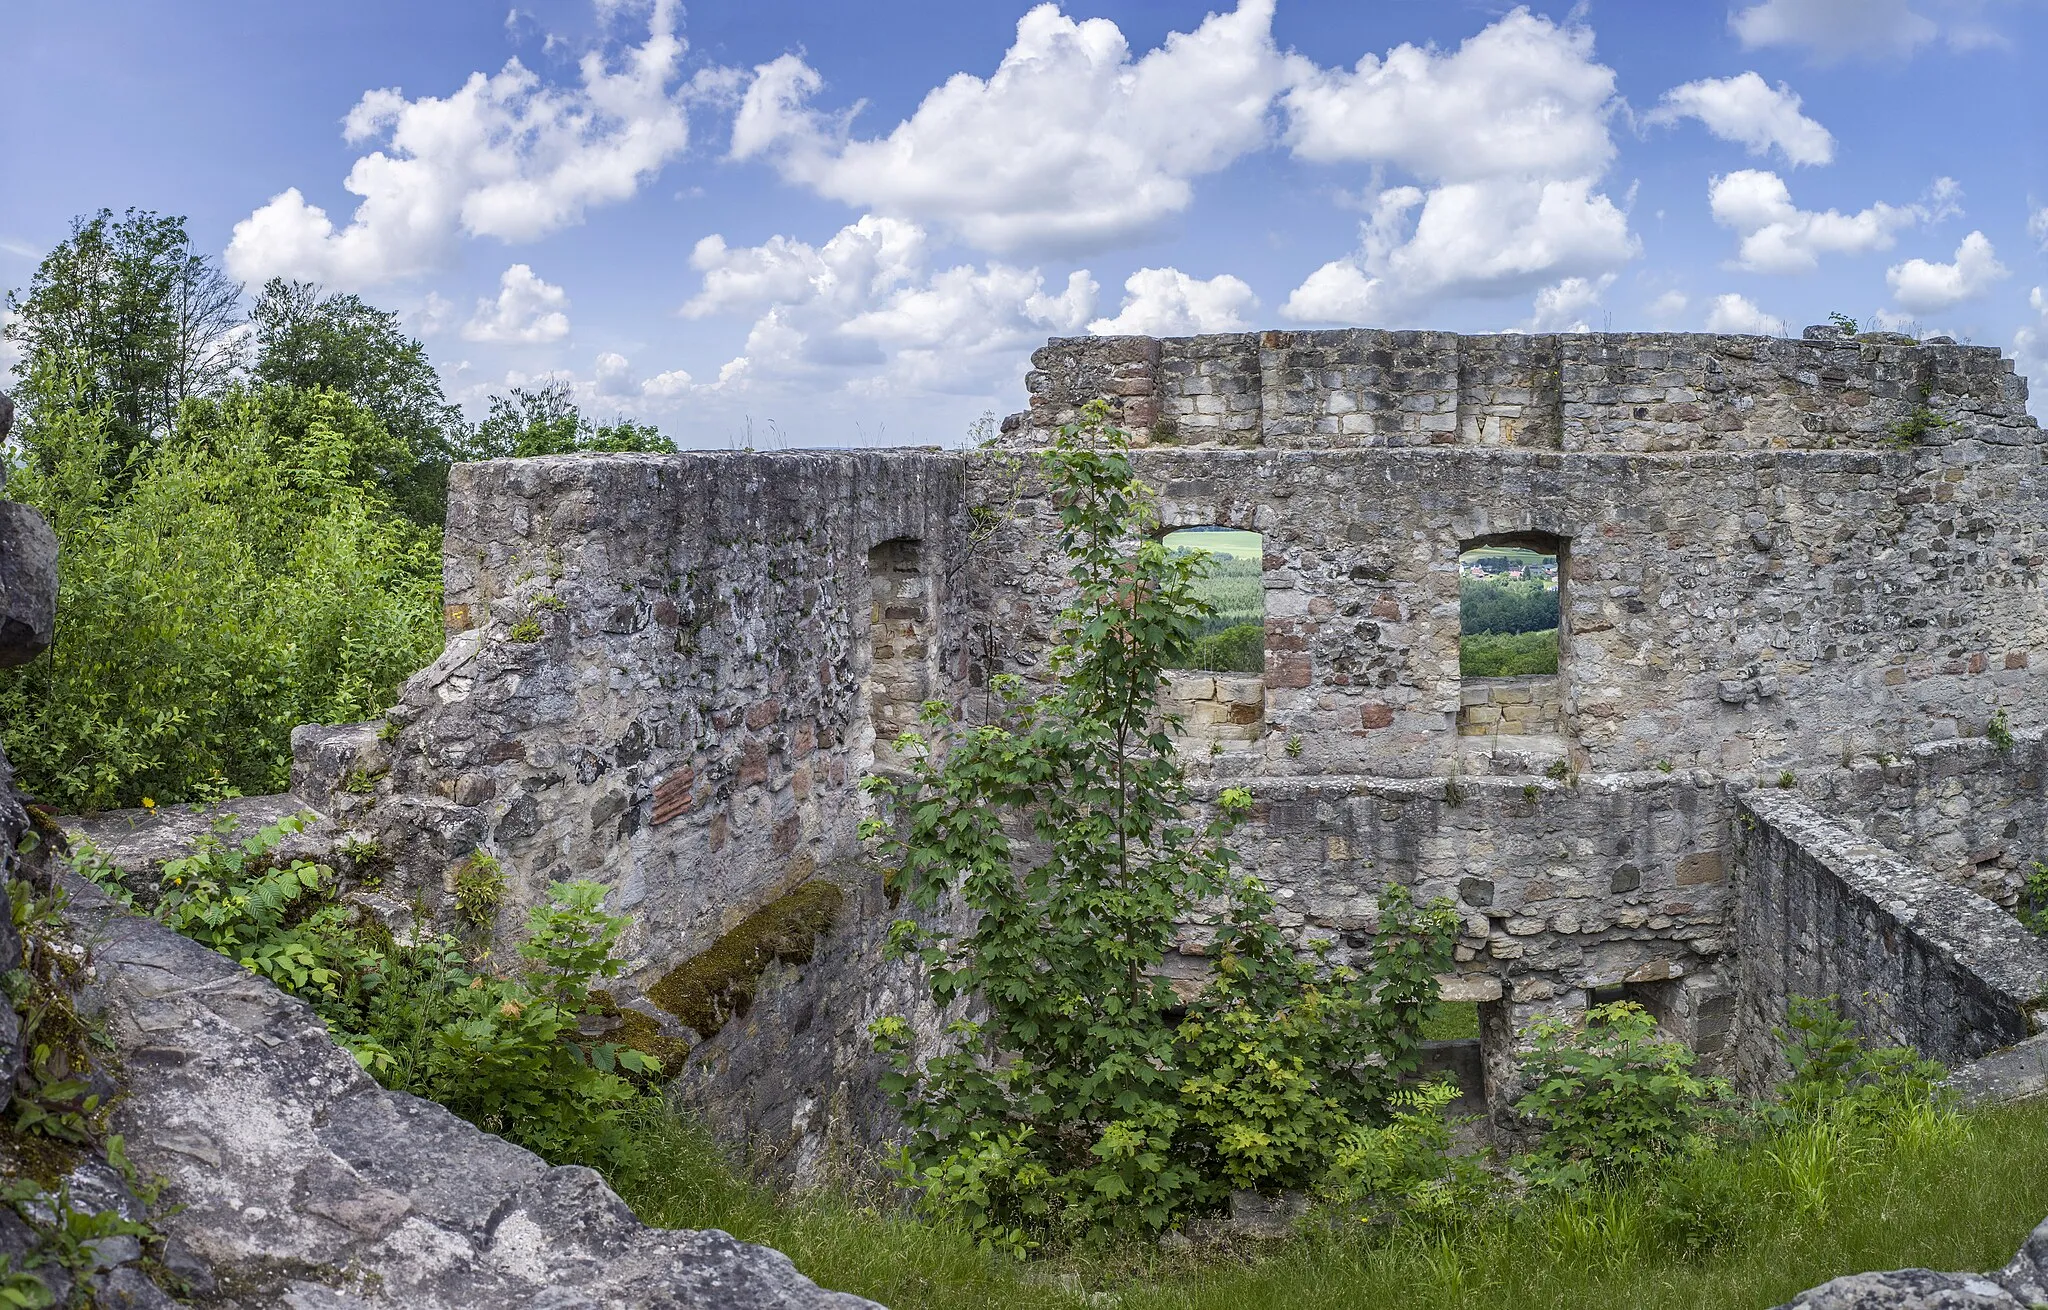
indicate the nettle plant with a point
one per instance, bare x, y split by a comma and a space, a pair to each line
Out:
1091, 1099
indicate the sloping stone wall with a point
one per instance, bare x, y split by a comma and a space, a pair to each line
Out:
1915, 960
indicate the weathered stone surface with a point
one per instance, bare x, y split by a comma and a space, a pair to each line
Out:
1917, 961
1757, 579
303, 1183
2021, 1285
28, 584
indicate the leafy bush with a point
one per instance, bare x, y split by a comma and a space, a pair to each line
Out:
503, 1049
2033, 903
1835, 1075
1240, 649
1613, 1099
1498, 655
230, 586
1085, 1103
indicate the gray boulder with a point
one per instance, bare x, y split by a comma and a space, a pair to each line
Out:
2021, 1285
28, 584
301, 1182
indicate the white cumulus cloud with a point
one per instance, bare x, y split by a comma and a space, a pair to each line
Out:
1779, 237
868, 310
1921, 287
1069, 145
1739, 314
1747, 110
1565, 307
2030, 354
1668, 306
1165, 302
2037, 226
507, 156
1833, 30
1508, 135
528, 311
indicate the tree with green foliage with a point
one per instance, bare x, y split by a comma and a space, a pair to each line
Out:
122, 318
546, 421
307, 342
1092, 1098
1506, 605
231, 583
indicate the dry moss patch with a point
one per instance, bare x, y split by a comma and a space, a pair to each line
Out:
718, 984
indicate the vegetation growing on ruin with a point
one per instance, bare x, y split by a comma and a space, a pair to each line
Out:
718, 983
1093, 1100
1851, 1168
500, 1043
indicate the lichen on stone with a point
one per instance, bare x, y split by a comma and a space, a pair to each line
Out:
718, 983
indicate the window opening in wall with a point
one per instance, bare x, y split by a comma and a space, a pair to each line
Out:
1221, 695
1233, 639
898, 678
1511, 636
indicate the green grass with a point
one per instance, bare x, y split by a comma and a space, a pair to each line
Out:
1513, 553
1217, 541
1451, 1021
1507, 655
1964, 1198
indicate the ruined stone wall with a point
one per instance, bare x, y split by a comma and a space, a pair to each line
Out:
1746, 611
1619, 881
1579, 392
1914, 959
668, 674
1965, 810
1532, 705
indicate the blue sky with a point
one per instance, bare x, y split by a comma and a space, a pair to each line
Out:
788, 222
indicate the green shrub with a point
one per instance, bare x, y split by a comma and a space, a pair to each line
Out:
1239, 649
1092, 1101
502, 1049
1502, 655
1835, 1075
2033, 902
228, 586
1613, 1099
479, 888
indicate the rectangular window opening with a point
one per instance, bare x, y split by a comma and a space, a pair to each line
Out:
1512, 636
1220, 695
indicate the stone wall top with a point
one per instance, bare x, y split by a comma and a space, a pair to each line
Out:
1608, 392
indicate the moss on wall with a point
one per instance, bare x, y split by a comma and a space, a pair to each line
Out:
718, 984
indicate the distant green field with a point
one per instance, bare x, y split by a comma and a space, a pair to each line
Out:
1515, 553
1217, 541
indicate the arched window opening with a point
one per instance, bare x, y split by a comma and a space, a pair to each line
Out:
898, 678
1512, 636
1221, 695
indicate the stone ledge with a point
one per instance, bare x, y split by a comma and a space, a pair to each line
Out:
302, 1182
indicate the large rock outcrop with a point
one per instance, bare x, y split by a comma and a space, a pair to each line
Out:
2021, 1285
303, 1183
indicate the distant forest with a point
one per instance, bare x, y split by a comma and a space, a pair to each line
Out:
1505, 605
1509, 627
1232, 639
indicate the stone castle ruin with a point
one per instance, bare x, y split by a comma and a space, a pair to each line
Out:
1799, 582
